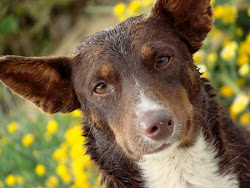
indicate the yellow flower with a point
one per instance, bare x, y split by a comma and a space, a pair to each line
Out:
226, 13
233, 45
218, 11
239, 104
212, 57
12, 127
76, 113
39, 186
227, 53
239, 31
40, 170
248, 11
52, 126
20, 180
66, 178
52, 182
147, 3
63, 172
245, 119
82, 180
76, 150
230, 15
10, 180
73, 135
61, 169
226, 91
28, 140
60, 155
134, 7
244, 48
77, 166
242, 59
199, 56
203, 69
244, 70
80, 163
119, 9
87, 162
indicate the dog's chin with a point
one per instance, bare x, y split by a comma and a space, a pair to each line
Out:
138, 155
162, 147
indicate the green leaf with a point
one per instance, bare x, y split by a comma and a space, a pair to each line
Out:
8, 25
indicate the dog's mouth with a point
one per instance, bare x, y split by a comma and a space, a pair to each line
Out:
143, 144
159, 149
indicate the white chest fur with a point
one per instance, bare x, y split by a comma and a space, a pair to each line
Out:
194, 167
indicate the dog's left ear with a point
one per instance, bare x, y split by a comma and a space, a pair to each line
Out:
192, 18
45, 81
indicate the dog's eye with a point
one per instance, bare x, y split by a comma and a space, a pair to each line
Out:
101, 88
162, 61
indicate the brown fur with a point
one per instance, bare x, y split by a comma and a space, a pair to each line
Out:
122, 57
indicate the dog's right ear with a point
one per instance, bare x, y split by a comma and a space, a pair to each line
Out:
191, 18
45, 81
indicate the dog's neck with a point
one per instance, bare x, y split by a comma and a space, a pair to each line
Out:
191, 167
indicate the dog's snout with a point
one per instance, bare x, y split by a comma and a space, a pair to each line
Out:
157, 124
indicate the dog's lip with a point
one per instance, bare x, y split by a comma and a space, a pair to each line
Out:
163, 147
159, 149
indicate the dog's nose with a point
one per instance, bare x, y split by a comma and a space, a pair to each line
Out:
157, 124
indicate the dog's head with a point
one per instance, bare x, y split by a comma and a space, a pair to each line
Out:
136, 81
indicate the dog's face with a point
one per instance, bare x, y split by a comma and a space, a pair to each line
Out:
135, 81
132, 85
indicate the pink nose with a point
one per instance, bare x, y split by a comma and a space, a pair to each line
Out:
157, 124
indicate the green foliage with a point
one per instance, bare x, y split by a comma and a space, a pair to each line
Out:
57, 146
24, 25
8, 25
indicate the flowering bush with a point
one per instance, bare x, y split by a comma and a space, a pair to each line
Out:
224, 58
47, 151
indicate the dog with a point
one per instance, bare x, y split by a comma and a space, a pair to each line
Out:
151, 121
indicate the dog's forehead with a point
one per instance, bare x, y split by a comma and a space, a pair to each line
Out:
117, 36
127, 37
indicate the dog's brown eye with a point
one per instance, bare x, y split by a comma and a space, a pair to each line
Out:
162, 61
101, 88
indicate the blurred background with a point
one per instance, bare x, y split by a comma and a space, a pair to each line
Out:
39, 150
